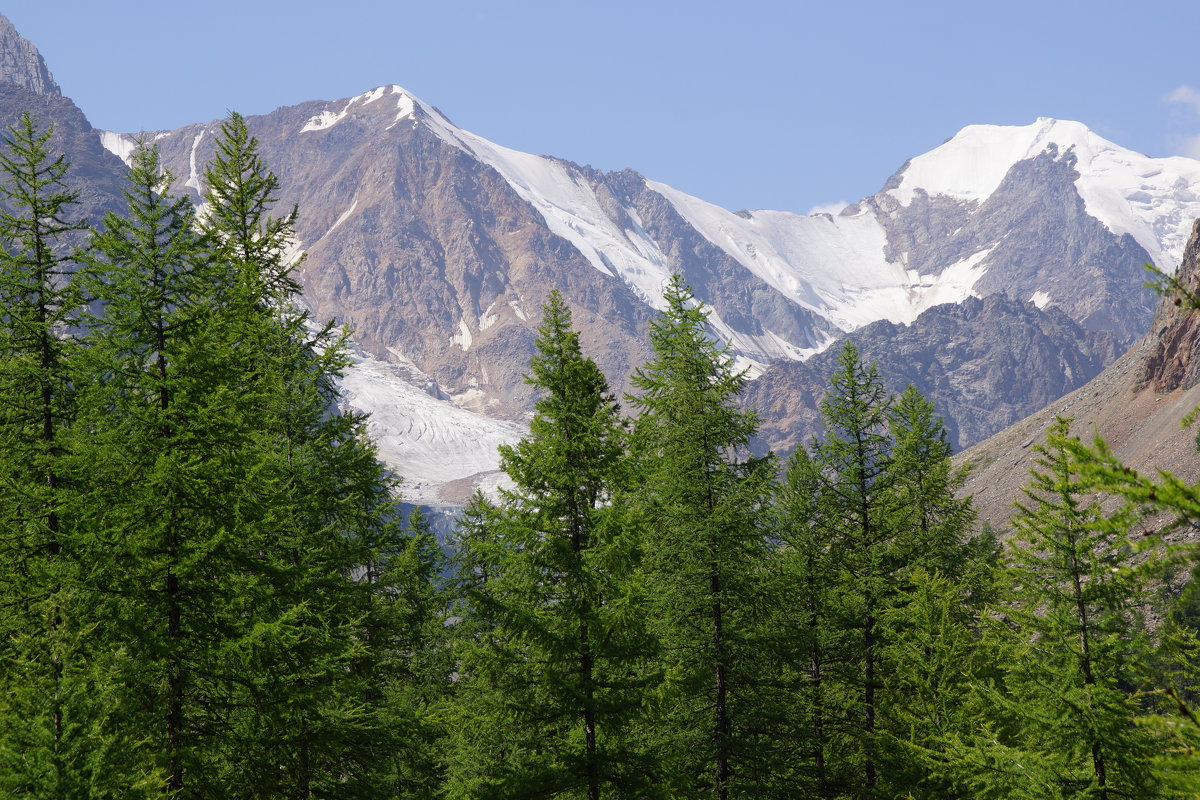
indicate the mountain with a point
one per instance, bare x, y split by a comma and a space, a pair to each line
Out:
438, 248
974, 267
26, 85
1031, 211
1136, 404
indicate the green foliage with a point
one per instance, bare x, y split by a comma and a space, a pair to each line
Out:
217, 597
552, 650
704, 552
45, 678
931, 518
152, 419
883, 593
1074, 637
860, 506
317, 510
811, 746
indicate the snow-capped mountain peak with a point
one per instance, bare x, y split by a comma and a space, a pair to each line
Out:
1148, 198
394, 104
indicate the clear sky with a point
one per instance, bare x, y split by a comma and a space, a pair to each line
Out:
752, 104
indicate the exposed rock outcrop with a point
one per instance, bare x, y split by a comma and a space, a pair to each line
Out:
985, 363
21, 64
96, 174
1173, 361
1136, 404
426, 253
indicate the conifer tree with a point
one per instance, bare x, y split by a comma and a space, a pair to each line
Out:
934, 660
1076, 636
553, 662
870, 523
41, 635
933, 522
243, 527
704, 551
861, 503
805, 641
930, 623
414, 613
318, 510
156, 416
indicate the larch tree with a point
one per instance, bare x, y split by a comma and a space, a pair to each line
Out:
704, 551
880, 588
860, 504
156, 416
41, 694
316, 512
934, 523
944, 575
1076, 637
553, 646
805, 644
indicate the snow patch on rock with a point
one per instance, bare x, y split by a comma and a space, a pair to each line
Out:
463, 337
421, 435
193, 181
120, 145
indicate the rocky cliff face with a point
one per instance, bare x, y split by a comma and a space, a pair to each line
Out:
1040, 242
1136, 404
96, 174
21, 64
985, 363
1173, 361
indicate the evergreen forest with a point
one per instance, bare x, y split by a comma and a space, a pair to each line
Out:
209, 587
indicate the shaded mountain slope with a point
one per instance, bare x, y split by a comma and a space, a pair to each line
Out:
984, 363
1136, 404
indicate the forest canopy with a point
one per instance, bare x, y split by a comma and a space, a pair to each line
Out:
210, 588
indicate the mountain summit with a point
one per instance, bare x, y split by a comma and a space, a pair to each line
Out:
21, 64
999, 269
438, 247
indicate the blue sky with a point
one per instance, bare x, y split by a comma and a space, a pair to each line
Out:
784, 105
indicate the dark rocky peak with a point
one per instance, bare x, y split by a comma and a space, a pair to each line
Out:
1173, 361
21, 64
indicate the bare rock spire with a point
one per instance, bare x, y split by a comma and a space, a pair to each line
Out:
21, 64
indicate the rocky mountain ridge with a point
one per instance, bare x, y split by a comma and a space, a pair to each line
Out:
438, 248
21, 64
1008, 257
1136, 405
983, 362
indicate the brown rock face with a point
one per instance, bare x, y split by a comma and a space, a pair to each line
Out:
985, 363
21, 64
425, 252
1173, 362
96, 174
1136, 405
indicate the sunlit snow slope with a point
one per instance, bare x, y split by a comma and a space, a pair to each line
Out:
788, 285
1152, 199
